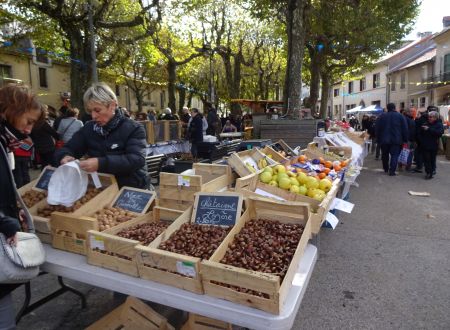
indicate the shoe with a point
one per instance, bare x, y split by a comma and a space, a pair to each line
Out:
392, 174
434, 172
428, 176
417, 170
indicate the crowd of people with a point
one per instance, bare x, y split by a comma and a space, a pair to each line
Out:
414, 138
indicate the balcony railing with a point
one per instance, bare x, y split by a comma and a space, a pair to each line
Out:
438, 80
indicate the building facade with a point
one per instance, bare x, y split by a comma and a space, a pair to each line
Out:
439, 81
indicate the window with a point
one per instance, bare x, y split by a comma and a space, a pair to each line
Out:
41, 56
392, 82
402, 80
43, 78
423, 101
424, 73
447, 67
5, 71
350, 87
376, 103
412, 103
376, 80
336, 92
362, 84
117, 90
347, 107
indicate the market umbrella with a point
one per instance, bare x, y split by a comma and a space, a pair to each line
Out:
373, 109
354, 110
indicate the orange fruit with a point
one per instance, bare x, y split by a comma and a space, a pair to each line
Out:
326, 171
337, 168
343, 163
302, 158
322, 175
321, 160
328, 164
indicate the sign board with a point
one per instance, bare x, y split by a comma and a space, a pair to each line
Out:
221, 209
44, 178
134, 200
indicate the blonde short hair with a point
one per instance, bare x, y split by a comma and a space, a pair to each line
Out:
100, 93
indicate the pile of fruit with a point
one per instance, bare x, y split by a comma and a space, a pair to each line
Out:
261, 164
312, 178
32, 197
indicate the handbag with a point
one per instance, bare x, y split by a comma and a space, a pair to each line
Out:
20, 263
403, 157
60, 143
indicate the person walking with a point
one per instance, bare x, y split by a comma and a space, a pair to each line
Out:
19, 112
195, 132
431, 132
391, 132
422, 119
411, 136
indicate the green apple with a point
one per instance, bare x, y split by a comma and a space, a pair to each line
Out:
312, 182
302, 190
265, 177
302, 178
325, 185
284, 183
279, 169
268, 169
281, 176
273, 183
294, 189
294, 181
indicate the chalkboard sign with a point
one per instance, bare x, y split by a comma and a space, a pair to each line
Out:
222, 209
134, 200
44, 178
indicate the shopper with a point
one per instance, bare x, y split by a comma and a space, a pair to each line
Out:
214, 126
111, 142
421, 120
391, 132
19, 111
431, 132
22, 158
44, 137
185, 118
411, 136
69, 125
195, 132
229, 127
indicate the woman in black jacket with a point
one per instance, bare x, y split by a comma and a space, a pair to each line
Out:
431, 132
113, 143
195, 132
44, 137
19, 111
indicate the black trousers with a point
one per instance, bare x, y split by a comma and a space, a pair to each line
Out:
418, 157
429, 160
389, 157
21, 171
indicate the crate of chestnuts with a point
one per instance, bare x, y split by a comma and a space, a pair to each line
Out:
69, 230
174, 258
114, 248
177, 191
256, 263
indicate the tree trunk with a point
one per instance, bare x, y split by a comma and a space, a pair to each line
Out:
139, 99
324, 98
189, 99
296, 40
235, 92
182, 96
172, 77
314, 69
79, 73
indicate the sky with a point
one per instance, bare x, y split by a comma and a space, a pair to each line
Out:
430, 17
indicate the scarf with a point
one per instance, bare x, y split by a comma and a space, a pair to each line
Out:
10, 137
110, 126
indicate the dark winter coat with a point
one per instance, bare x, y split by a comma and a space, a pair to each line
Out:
422, 120
430, 137
411, 129
9, 213
44, 137
391, 128
121, 153
196, 129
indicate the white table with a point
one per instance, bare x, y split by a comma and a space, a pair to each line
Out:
74, 267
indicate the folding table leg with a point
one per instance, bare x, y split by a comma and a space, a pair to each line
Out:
27, 308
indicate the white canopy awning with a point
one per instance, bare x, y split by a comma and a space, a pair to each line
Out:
354, 110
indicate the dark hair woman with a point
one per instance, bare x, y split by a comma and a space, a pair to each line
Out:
19, 111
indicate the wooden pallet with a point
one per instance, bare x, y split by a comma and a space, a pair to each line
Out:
199, 322
249, 184
270, 285
177, 190
107, 250
132, 315
238, 161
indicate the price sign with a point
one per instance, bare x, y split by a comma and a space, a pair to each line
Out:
221, 209
134, 200
44, 178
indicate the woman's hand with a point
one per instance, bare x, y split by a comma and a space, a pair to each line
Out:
23, 220
12, 240
89, 165
66, 159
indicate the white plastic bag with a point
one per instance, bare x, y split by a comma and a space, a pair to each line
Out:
67, 185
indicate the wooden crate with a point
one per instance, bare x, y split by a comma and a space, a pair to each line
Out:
42, 224
357, 137
61, 223
276, 156
163, 130
249, 184
132, 315
199, 322
271, 285
314, 152
176, 191
123, 259
171, 268
238, 161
